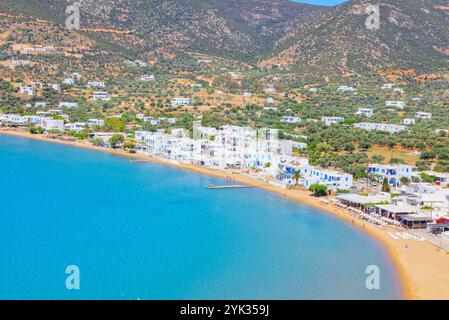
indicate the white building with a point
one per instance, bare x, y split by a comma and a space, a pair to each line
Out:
387, 86
386, 127
270, 90
345, 89
54, 86
27, 90
95, 123
393, 173
147, 77
46, 123
16, 63
100, 96
96, 84
247, 94
141, 64
169, 120
290, 119
396, 104
423, 115
77, 126
367, 112
40, 104
408, 121
69, 81
334, 180
13, 118
227, 147
54, 124
75, 75
329, 121
68, 105
177, 102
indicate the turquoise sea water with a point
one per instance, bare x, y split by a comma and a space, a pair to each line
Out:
148, 231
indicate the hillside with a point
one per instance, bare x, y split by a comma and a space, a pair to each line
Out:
413, 34
223, 27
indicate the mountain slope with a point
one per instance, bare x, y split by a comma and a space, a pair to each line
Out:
225, 27
412, 34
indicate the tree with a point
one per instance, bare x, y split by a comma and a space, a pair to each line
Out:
318, 190
365, 145
423, 165
427, 178
114, 124
296, 177
385, 186
405, 181
377, 158
36, 130
427, 155
96, 141
397, 161
116, 140
129, 144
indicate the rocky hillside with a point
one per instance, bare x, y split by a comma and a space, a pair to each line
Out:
240, 29
412, 34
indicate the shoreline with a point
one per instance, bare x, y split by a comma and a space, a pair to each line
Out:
421, 267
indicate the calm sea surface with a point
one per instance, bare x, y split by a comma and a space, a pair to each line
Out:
148, 231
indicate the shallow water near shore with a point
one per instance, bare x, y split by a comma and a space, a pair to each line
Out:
149, 231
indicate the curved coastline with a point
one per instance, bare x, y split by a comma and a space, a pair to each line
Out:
420, 267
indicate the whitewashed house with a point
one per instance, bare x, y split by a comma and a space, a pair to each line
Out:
367, 112
290, 119
147, 77
54, 86
40, 104
54, 124
100, 96
386, 127
329, 121
393, 173
168, 120
396, 104
345, 89
96, 84
423, 115
68, 105
334, 180
77, 126
69, 81
27, 90
408, 121
16, 63
387, 86
177, 102
95, 123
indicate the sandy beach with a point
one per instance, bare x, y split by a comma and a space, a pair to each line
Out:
423, 268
